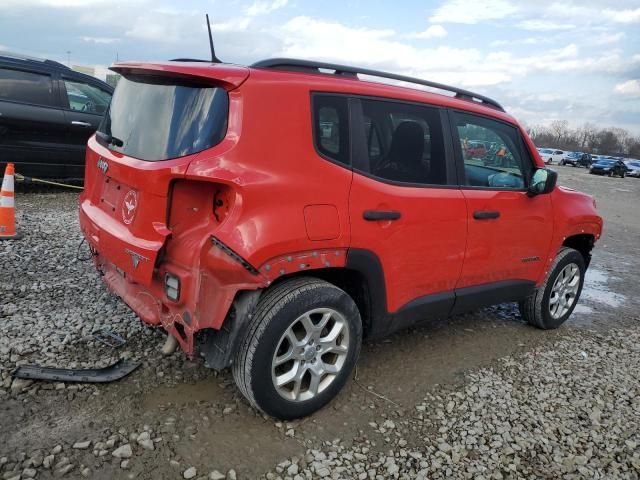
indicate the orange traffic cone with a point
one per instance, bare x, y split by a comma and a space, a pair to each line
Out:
7, 206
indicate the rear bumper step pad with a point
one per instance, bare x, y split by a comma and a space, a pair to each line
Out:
118, 370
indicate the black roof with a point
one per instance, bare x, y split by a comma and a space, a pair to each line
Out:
12, 59
21, 59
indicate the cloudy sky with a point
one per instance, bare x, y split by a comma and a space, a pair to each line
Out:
543, 60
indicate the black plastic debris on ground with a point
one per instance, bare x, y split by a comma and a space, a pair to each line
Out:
114, 372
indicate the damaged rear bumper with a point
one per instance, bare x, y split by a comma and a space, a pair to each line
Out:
209, 278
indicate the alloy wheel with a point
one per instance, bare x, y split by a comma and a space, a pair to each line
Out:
310, 354
565, 291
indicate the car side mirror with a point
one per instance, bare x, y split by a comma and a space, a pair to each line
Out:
543, 180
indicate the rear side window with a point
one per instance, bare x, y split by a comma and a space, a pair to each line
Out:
26, 87
86, 98
404, 143
156, 118
331, 127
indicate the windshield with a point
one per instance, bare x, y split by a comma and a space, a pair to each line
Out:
155, 118
606, 162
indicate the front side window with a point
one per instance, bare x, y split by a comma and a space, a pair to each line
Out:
158, 118
26, 87
404, 143
492, 152
83, 97
331, 127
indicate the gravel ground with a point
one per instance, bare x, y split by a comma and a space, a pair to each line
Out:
571, 410
481, 395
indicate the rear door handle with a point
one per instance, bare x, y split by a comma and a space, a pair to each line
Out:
81, 124
373, 215
485, 214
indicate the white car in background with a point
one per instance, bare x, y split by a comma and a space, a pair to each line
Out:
549, 155
633, 167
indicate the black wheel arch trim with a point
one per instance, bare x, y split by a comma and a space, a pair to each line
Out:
369, 266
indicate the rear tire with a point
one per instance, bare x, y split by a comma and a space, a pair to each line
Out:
299, 349
553, 302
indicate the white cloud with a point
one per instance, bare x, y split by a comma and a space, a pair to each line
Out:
262, 7
238, 24
623, 16
608, 38
472, 11
304, 37
585, 14
542, 15
630, 88
100, 40
434, 31
166, 27
544, 25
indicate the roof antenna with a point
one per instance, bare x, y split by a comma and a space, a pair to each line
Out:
214, 59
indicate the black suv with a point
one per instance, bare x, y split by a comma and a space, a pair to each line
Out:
577, 159
47, 114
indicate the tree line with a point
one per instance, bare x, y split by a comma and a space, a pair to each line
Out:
587, 138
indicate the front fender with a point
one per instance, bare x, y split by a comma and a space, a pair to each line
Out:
574, 214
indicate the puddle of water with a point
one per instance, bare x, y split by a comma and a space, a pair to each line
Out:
583, 309
596, 289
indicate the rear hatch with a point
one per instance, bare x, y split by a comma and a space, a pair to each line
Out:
161, 117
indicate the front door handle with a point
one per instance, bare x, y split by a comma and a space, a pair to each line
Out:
81, 124
485, 214
374, 215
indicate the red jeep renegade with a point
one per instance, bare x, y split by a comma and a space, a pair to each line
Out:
270, 217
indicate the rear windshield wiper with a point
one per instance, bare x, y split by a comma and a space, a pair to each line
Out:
109, 139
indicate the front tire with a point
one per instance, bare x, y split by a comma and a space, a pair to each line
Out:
553, 301
300, 348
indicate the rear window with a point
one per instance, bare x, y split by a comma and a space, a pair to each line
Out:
158, 118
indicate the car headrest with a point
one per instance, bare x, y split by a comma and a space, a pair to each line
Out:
407, 143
